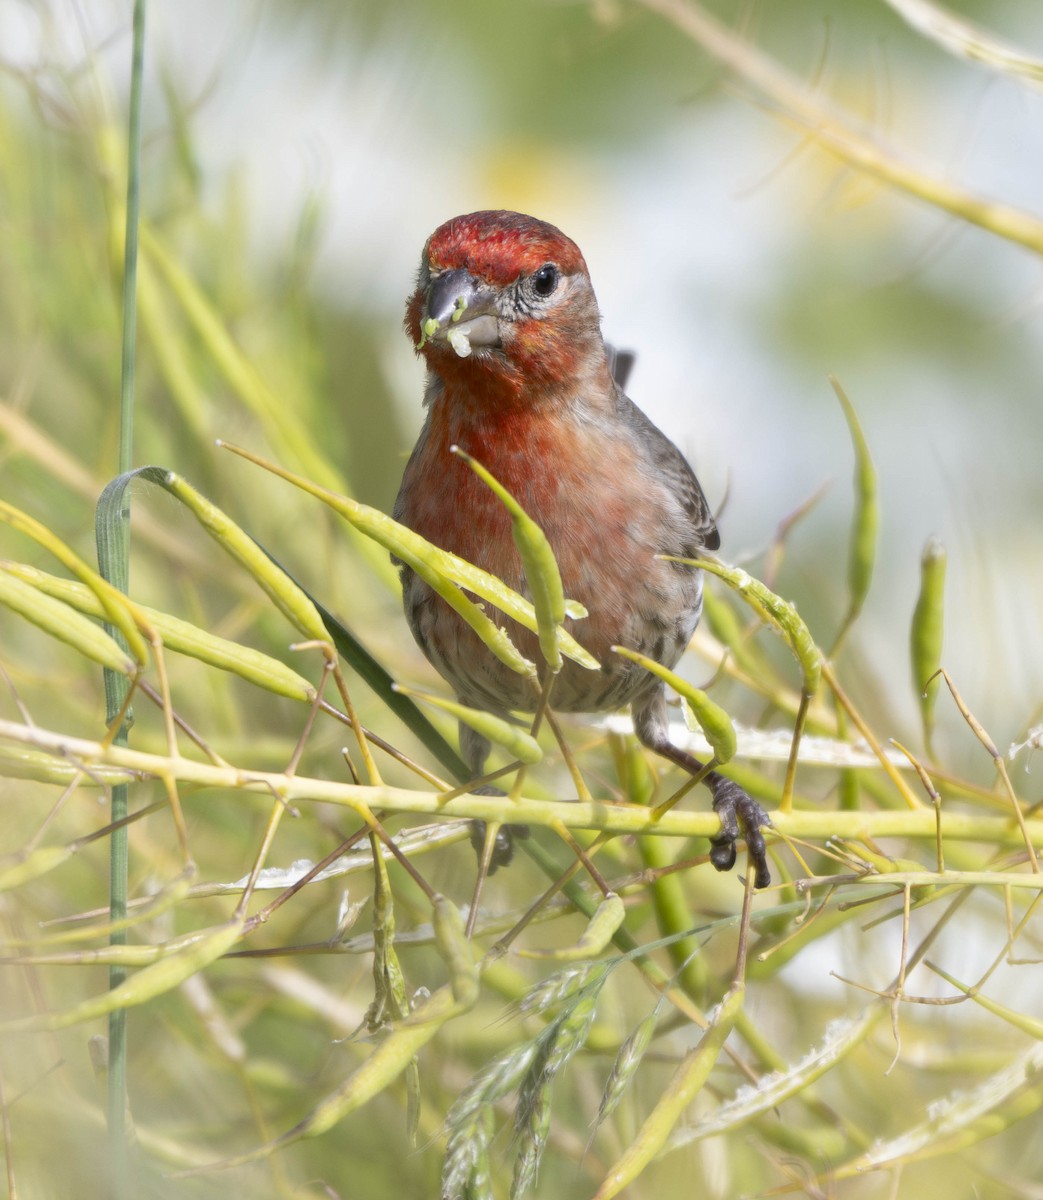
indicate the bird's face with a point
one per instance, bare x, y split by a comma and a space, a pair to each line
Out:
503, 298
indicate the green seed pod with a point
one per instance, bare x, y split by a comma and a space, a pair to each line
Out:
181, 961
678, 1094
865, 522
33, 865
538, 562
523, 746
283, 591
180, 636
56, 618
119, 611
607, 918
778, 613
713, 720
455, 949
925, 634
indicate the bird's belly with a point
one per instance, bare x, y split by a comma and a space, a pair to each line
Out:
606, 522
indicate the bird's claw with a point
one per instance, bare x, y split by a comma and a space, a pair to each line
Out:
740, 816
503, 845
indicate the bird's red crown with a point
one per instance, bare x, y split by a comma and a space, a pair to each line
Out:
498, 246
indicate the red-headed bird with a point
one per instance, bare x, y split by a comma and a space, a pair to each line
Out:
519, 376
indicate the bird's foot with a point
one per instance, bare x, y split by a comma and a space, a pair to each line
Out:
740, 816
503, 845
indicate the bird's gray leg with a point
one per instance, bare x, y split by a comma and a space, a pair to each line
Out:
475, 750
739, 813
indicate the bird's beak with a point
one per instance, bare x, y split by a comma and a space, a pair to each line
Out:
460, 310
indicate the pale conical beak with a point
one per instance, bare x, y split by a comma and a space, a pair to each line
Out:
460, 310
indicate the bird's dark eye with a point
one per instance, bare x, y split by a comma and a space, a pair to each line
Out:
545, 280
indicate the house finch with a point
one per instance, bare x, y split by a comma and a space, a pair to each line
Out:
506, 321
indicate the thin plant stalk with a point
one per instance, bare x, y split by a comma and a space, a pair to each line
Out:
114, 561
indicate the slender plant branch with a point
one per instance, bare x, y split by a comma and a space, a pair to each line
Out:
114, 562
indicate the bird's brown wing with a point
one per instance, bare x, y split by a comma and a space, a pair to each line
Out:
671, 464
